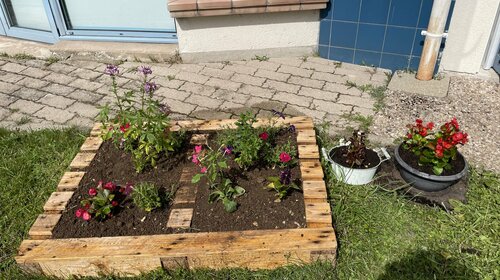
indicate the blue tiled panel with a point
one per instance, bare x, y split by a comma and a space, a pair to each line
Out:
343, 34
370, 37
375, 11
346, 10
382, 33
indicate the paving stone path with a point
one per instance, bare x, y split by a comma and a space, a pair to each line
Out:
34, 95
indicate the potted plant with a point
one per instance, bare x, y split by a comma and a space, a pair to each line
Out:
352, 162
429, 160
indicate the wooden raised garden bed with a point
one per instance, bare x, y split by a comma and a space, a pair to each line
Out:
132, 255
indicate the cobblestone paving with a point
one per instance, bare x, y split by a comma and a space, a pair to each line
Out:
34, 95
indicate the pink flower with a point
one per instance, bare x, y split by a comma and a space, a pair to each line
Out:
92, 192
284, 157
110, 186
86, 216
197, 149
264, 136
195, 159
203, 170
79, 212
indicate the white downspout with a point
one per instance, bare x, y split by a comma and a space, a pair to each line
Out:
433, 38
494, 44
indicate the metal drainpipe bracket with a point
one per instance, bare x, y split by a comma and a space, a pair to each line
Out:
425, 33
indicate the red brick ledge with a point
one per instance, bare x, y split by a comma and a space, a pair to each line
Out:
197, 8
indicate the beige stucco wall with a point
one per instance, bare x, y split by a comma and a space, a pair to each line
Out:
233, 37
468, 37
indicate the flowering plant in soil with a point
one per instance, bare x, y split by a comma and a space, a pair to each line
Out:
141, 125
435, 148
246, 140
284, 183
102, 201
212, 164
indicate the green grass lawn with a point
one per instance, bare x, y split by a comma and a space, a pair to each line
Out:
381, 234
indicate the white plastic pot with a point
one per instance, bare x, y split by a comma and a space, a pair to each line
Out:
355, 176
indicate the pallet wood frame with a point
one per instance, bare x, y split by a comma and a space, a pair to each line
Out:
132, 255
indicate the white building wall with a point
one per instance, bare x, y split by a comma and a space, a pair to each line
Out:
469, 33
218, 38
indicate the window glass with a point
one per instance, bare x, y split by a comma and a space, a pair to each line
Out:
27, 14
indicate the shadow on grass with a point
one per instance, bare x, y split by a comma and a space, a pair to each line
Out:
427, 265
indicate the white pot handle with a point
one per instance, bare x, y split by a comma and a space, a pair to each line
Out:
325, 155
383, 154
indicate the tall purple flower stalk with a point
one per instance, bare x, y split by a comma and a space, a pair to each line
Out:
145, 70
150, 87
111, 70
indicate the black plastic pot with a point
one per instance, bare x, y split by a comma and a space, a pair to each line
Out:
424, 181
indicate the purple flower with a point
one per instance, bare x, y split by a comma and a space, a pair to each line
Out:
291, 128
227, 150
111, 70
150, 87
146, 70
279, 114
286, 176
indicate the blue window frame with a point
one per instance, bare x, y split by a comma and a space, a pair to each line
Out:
9, 27
61, 26
103, 33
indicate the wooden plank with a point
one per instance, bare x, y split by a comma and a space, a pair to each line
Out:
57, 202
199, 139
314, 191
247, 249
309, 151
96, 129
185, 194
306, 137
318, 215
91, 144
43, 226
180, 218
70, 181
302, 122
311, 170
81, 161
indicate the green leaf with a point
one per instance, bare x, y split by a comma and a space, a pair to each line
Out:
229, 205
239, 191
222, 164
437, 170
196, 178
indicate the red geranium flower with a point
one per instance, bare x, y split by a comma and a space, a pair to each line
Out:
430, 125
284, 157
264, 136
423, 132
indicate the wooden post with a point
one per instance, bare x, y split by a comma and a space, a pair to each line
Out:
437, 23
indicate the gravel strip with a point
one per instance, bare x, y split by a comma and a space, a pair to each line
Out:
476, 105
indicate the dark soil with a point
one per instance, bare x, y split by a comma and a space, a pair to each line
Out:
113, 164
388, 177
339, 156
407, 156
257, 208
